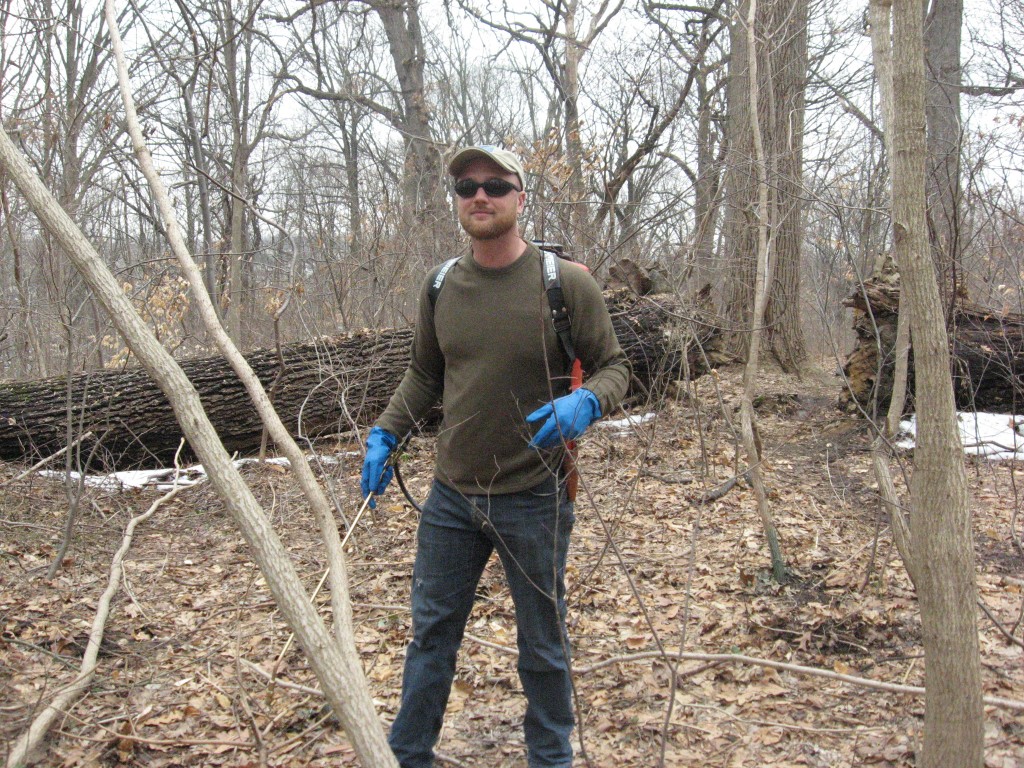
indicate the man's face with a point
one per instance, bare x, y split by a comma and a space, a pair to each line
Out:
484, 217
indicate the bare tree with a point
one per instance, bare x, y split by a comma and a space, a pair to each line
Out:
561, 34
762, 278
336, 667
61, 113
250, 116
940, 522
942, 35
340, 71
639, 161
185, 55
696, 41
404, 104
780, 30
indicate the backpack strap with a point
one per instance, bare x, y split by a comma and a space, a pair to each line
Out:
556, 301
438, 282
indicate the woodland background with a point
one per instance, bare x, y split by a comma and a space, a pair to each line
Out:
305, 148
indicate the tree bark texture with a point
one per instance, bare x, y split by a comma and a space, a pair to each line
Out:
787, 25
739, 226
325, 386
942, 33
940, 519
986, 350
780, 32
423, 180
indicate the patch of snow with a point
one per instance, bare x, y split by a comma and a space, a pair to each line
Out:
280, 461
166, 479
991, 435
161, 479
627, 423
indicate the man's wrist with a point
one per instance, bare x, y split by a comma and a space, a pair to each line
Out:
383, 436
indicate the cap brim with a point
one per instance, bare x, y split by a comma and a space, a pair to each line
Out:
466, 156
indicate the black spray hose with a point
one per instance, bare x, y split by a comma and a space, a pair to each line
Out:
398, 474
405, 491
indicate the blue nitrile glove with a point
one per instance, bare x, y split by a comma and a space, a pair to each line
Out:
567, 417
377, 473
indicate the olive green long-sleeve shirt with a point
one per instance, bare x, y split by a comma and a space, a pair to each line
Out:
489, 352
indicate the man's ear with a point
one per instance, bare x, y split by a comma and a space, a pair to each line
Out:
521, 204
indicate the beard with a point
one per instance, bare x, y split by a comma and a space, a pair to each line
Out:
498, 225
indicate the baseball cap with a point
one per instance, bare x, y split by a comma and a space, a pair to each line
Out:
502, 157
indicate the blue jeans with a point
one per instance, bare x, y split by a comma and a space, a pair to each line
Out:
457, 533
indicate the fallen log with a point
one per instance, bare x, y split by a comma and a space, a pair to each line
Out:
986, 353
320, 387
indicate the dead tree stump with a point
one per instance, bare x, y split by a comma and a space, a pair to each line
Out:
986, 352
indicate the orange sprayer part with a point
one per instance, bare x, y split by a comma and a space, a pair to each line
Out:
569, 469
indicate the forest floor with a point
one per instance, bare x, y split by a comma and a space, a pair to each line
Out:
653, 571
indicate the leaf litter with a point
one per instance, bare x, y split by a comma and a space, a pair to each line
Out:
192, 672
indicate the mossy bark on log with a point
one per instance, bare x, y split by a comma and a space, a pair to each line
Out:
322, 387
986, 350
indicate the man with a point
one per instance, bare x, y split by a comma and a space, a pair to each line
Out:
486, 347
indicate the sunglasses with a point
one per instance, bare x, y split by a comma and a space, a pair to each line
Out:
466, 188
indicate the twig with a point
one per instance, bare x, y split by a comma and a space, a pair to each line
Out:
243, 698
278, 681
712, 658
300, 738
444, 758
43, 462
683, 622
323, 578
33, 526
67, 661
784, 726
36, 732
914, 690
158, 742
998, 624
682, 480
719, 492
725, 487
503, 648
131, 596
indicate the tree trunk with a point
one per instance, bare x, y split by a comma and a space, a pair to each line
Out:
880, 19
327, 386
940, 520
707, 187
751, 443
423, 179
942, 32
780, 31
786, 23
739, 235
32, 358
237, 191
582, 234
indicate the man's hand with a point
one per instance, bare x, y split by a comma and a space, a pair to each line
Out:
566, 418
377, 472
